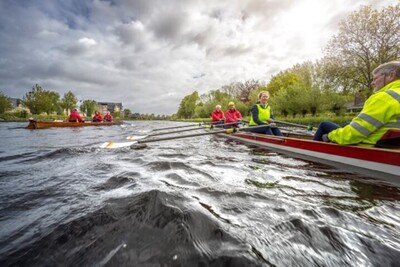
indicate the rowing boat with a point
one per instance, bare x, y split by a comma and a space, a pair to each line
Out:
35, 124
380, 163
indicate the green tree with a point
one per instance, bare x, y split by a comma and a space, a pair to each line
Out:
188, 105
282, 80
88, 107
117, 115
209, 101
366, 39
127, 113
200, 111
281, 106
334, 102
69, 101
291, 100
314, 100
39, 100
5, 103
52, 102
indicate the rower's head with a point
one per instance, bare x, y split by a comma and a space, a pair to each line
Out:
218, 107
263, 97
231, 105
385, 74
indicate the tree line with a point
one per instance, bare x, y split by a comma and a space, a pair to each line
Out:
366, 38
41, 101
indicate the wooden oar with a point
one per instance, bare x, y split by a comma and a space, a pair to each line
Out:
126, 144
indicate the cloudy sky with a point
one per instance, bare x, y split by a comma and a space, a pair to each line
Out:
149, 54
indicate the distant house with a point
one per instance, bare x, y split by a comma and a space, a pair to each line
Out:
357, 104
103, 107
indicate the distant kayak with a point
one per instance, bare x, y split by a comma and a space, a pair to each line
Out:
35, 124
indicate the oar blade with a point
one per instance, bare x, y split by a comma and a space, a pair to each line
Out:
116, 144
136, 137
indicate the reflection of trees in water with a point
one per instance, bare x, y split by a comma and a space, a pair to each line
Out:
372, 192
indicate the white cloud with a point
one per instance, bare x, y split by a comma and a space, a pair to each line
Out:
88, 42
149, 54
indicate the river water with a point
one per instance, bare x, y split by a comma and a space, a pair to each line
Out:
201, 201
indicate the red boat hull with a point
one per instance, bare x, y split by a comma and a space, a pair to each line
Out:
371, 161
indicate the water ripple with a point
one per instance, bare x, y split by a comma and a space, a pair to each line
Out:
205, 201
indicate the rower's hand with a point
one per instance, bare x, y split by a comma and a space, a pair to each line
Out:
271, 121
325, 138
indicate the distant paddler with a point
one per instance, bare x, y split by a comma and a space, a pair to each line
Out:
233, 117
217, 116
108, 117
97, 117
75, 116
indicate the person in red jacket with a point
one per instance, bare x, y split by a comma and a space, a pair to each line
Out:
97, 117
108, 117
75, 116
218, 116
233, 116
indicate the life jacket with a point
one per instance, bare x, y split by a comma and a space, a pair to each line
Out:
97, 118
217, 115
108, 117
232, 115
75, 117
264, 113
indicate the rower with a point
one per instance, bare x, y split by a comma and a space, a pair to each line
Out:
381, 112
75, 116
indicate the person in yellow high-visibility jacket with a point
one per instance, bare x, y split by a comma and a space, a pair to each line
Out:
381, 112
261, 114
